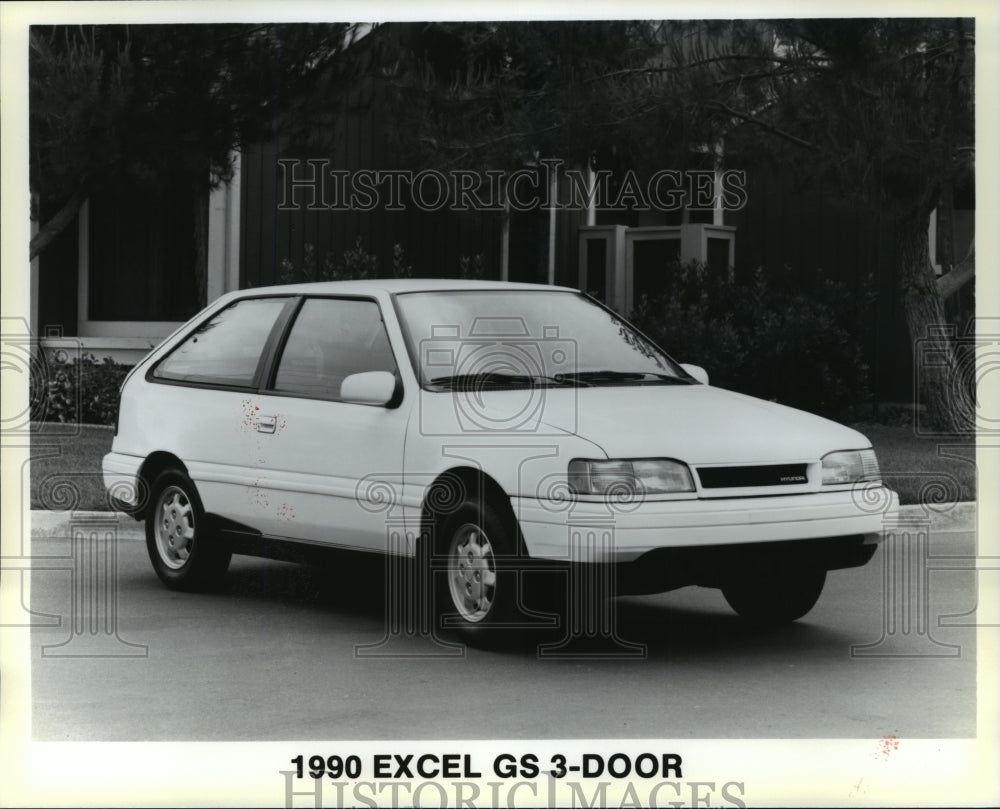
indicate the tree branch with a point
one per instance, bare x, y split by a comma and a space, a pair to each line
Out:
718, 105
950, 283
465, 148
57, 224
801, 63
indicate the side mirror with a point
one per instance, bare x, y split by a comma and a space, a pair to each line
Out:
697, 372
370, 388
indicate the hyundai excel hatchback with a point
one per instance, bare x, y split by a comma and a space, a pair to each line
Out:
481, 428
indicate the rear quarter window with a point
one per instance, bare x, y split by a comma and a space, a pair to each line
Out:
226, 349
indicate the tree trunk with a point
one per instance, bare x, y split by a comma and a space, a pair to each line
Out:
57, 224
941, 374
946, 228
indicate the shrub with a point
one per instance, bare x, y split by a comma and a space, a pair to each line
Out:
83, 390
472, 268
770, 336
354, 263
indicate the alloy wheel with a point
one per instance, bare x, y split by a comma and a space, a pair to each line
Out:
472, 574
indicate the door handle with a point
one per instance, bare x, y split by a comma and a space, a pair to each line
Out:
266, 424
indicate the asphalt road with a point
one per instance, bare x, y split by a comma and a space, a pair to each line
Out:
273, 657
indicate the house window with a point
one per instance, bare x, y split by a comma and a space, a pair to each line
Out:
718, 255
596, 268
142, 253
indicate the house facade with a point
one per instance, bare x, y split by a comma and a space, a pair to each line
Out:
139, 261
122, 276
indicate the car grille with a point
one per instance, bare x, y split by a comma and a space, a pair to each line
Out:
735, 477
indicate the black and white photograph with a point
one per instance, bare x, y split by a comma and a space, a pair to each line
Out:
488, 406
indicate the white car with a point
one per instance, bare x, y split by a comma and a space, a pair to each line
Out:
483, 428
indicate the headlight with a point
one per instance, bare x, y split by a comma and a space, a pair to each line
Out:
643, 476
852, 466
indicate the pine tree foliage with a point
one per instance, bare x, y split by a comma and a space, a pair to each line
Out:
150, 102
882, 109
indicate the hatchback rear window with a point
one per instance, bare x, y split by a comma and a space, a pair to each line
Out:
225, 350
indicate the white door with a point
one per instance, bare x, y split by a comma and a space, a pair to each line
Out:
201, 407
328, 471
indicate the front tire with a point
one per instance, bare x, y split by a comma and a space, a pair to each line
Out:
773, 593
477, 590
184, 553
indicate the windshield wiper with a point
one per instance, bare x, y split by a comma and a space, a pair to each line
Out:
493, 379
624, 377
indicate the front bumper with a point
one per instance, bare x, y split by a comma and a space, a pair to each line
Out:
597, 531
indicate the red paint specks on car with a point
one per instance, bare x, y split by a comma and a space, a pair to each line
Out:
887, 745
258, 496
250, 416
859, 788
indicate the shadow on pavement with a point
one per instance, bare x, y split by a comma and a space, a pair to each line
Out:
351, 587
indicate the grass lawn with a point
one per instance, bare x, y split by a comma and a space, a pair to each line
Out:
922, 469
66, 472
66, 468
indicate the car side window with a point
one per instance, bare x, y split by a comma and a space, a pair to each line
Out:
226, 349
331, 339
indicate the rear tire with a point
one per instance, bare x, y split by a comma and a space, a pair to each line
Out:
184, 553
775, 593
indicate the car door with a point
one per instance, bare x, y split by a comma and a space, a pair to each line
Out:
327, 469
200, 405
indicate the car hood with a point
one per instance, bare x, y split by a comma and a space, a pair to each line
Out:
698, 424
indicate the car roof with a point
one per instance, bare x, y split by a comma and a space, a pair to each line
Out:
398, 285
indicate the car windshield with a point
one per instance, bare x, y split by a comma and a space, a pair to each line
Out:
518, 338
